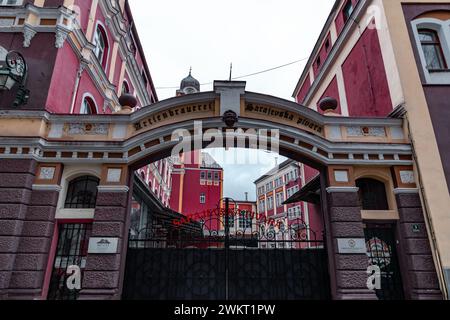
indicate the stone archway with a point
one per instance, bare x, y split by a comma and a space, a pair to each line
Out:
37, 148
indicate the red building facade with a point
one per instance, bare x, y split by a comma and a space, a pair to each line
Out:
197, 187
82, 57
274, 189
386, 58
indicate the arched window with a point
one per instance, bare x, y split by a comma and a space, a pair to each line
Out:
88, 106
125, 88
432, 49
372, 194
82, 193
101, 45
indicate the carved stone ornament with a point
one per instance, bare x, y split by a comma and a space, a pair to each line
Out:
230, 118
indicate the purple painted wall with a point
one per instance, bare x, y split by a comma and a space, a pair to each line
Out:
40, 58
436, 95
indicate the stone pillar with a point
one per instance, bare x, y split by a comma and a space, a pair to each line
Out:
32, 257
420, 277
346, 223
16, 180
32, 253
104, 271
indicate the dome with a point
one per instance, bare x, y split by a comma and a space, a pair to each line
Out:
190, 82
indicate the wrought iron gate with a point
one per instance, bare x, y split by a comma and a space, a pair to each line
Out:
382, 251
232, 256
71, 251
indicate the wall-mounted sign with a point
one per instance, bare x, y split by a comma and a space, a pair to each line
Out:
352, 246
179, 112
103, 245
290, 118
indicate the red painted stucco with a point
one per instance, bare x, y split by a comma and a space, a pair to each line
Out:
66, 67
304, 89
333, 92
190, 190
339, 21
365, 78
323, 54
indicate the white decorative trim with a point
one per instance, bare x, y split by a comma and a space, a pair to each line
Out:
44, 187
114, 189
63, 213
443, 30
61, 36
342, 189
407, 176
47, 173
90, 96
28, 35
406, 190
114, 175
341, 176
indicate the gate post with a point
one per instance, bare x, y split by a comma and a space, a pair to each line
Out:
420, 277
346, 236
16, 180
28, 199
104, 268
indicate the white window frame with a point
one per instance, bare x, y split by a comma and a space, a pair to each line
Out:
83, 107
443, 30
202, 198
107, 45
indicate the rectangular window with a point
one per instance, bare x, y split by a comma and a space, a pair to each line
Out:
202, 198
216, 176
203, 175
270, 203
327, 45
210, 175
245, 220
144, 77
279, 199
432, 49
348, 10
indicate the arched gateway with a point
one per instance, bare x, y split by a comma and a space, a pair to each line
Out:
43, 157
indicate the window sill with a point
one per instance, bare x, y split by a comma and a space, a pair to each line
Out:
75, 214
438, 70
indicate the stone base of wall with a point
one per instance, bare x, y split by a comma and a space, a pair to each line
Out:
350, 269
102, 276
420, 277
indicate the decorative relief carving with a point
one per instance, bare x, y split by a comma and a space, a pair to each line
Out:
28, 35
61, 36
114, 175
47, 173
366, 131
87, 129
407, 177
6, 22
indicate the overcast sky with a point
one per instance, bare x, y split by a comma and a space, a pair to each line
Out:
208, 35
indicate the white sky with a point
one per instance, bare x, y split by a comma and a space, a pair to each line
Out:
208, 35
